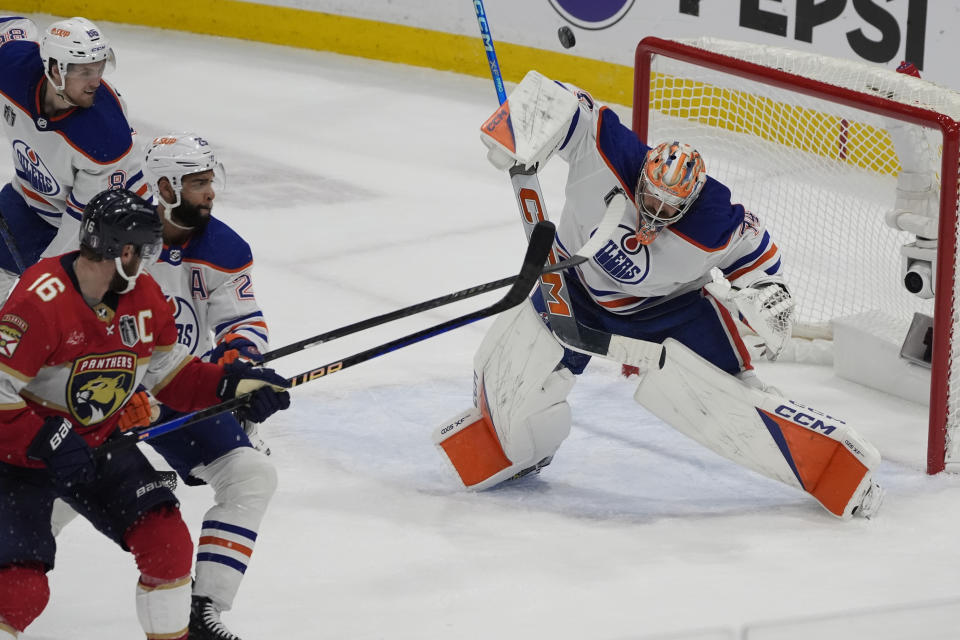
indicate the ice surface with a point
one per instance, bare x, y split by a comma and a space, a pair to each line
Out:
363, 188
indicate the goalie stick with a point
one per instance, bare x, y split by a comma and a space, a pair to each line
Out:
541, 242
526, 187
491, 52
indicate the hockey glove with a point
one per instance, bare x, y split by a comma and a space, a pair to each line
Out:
138, 412
765, 306
64, 452
235, 347
266, 387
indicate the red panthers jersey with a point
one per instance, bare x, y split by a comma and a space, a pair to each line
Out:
60, 356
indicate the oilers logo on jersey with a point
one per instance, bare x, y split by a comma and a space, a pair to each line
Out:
188, 325
99, 385
32, 169
627, 260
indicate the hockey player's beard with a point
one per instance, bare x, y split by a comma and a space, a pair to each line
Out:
189, 215
118, 283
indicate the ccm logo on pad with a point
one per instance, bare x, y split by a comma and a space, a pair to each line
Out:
805, 419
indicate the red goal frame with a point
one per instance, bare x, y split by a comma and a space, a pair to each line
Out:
944, 303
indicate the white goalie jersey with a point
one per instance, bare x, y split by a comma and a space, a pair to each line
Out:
627, 276
210, 286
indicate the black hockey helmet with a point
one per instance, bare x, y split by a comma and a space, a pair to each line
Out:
117, 217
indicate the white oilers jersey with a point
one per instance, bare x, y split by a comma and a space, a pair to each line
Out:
626, 276
60, 163
209, 283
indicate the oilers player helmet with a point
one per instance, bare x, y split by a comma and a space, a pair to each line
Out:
73, 41
175, 155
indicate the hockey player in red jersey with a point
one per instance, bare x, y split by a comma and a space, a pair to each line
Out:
68, 134
205, 268
78, 334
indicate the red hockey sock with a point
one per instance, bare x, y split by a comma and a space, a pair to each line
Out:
24, 593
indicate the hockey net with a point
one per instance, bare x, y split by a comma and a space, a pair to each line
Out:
815, 146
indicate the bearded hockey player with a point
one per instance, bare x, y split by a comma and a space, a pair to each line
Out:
206, 269
649, 291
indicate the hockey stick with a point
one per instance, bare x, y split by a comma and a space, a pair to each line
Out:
614, 212
553, 286
491, 52
540, 244
526, 187
11, 243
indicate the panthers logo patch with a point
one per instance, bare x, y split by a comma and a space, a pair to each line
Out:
99, 385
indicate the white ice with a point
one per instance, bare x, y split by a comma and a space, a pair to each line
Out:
363, 188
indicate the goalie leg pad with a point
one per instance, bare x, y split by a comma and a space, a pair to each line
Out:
776, 437
520, 415
472, 443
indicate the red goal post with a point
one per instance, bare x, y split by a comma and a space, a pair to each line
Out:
814, 145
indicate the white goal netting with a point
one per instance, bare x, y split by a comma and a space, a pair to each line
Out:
821, 167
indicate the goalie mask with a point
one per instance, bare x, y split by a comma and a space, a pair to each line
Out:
672, 176
173, 157
74, 41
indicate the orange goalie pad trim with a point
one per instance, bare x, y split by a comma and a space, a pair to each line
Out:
827, 470
475, 450
499, 127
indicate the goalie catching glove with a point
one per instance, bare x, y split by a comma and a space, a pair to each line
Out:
530, 125
765, 306
267, 389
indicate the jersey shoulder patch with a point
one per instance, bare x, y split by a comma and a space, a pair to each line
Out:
219, 247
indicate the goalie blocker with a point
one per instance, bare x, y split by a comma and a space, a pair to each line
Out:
520, 417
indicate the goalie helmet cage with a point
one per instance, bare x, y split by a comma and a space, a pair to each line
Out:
807, 142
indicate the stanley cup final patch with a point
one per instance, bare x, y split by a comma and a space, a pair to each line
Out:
129, 335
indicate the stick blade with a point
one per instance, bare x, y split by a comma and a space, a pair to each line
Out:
538, 249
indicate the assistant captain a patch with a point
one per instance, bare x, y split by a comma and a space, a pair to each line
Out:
9, 340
